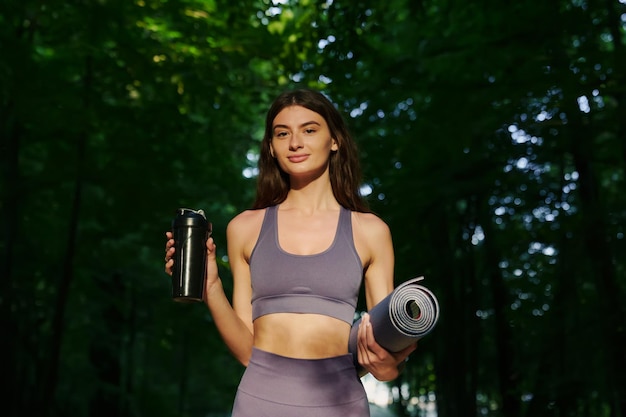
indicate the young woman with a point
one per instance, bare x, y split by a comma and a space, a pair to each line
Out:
298, 259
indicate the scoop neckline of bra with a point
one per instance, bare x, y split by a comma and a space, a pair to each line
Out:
332, 244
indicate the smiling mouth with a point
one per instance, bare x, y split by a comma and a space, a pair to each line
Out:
297, 158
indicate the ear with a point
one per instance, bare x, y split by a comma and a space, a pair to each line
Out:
272, 151
334, 146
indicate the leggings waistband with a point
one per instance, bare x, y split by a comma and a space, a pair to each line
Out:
302, 368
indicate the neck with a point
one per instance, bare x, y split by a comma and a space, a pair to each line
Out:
313, 197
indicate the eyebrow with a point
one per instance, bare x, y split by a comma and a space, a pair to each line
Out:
312, 122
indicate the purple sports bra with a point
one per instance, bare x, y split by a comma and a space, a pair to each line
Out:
326, 283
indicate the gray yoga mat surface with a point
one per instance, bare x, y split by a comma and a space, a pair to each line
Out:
406, 315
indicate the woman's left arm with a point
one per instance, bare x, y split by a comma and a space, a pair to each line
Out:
373, 239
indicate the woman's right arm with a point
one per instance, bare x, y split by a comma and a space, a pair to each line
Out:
234, 322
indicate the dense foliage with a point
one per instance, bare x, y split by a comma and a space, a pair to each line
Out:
493, 139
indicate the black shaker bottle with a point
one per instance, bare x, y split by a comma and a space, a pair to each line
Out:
191, 231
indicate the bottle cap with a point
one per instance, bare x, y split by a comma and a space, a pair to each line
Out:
189, 217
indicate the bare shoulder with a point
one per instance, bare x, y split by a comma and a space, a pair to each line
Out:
247, 219
369, 226
245, 225
243, 231
372, 237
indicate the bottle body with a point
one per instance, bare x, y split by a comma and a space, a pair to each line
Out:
190, 230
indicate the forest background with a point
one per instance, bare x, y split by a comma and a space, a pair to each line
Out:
493, 141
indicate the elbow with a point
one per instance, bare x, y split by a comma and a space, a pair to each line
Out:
243, 357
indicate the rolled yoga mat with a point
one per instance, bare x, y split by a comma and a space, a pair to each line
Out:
406, 315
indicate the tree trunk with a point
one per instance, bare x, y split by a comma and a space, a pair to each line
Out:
106, 350
596, 240
11, 134
48, 382
15, 394
454, 374
508, 376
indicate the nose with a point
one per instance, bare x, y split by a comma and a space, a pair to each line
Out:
295, 142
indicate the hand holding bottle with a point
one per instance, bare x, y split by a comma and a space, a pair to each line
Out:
187, 254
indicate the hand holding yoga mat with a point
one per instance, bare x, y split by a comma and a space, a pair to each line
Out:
406, 315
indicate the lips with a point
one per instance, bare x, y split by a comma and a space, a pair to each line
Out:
297, 158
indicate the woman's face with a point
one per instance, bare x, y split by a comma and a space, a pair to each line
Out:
301, 142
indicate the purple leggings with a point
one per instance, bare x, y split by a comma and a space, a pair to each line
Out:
278, 386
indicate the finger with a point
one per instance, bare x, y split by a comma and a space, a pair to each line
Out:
364, 358
359, 341
169, 253
210, 247
169, 264
362, 332
370, 340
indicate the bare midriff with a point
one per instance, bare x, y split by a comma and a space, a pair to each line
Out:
303, 336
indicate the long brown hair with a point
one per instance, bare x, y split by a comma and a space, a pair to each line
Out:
344, 168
